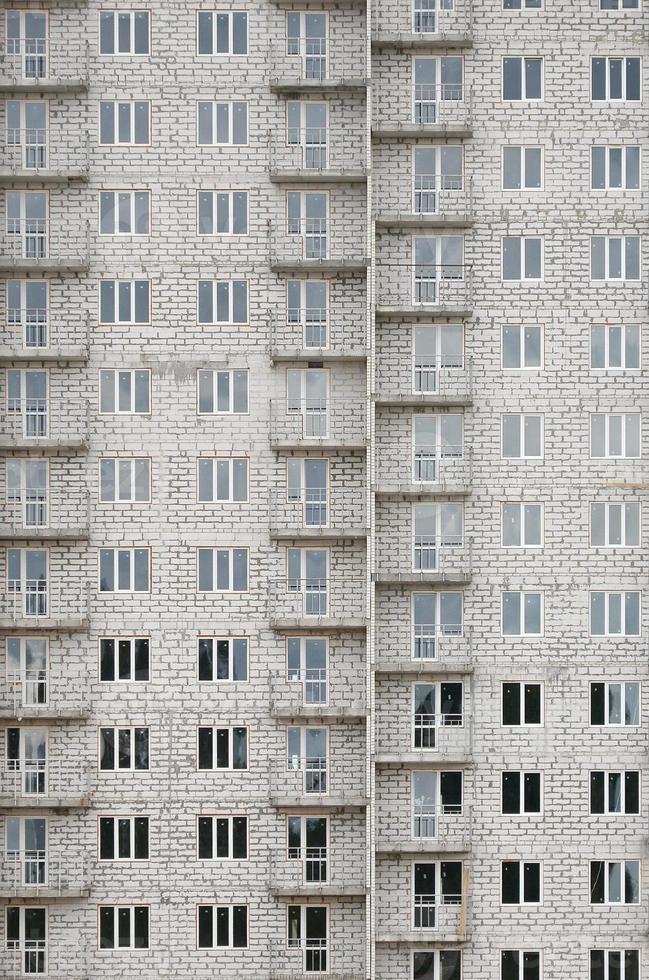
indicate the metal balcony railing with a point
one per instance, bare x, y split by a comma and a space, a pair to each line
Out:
442, 913
33, 149
38, 508
442, 106
34, 240
27, 419
443, 376
423, 284
425, 19
319, 420
300, 958
35, 781
52, 960
301, 867
35, 60
428, 465
317, 329
422, 645
318, 240
316, 149
33, 873
317, 508
39, 690
426, 735
30, 328
449, 825
304, 778
441, 555
314, 690
317, 59
38, 601
340, 597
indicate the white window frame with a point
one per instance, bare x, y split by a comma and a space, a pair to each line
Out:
230, 549
608, 812
622, 504
117, 194
222, 12
116, 373
131, 552
116, 729
607, 277
230, 322
522, 722
131, 946
608, 59
214, 103
116, 15
230, 767
522, 506
216, 638
522, 973
131, 322
607, 434
230, 817
132, 103
522, 773
118, 461
522, 329
230, 193
607, 703
607, 865
230, 906
607, 327
230, 460
524, 97
116, 817
522, 416
232, 372
523, 148
607, 147
521, 884
621, 952
116, 639
524, 239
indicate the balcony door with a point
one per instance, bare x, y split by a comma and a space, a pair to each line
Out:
27, 755
307, 128
308, 484
27, 491
307, 842
307, 394
437, 170
307, 930
307, 664
306, 38
307, 217
308, 575
27, 668
27, 580
27, 400
27, 848
27, 129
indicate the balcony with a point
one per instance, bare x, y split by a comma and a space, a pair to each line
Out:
436, 110
446, 919
35, 423
415, 380
428, 649
42, 694
317, 872
32, 155
430, 470
312, 155
428, 829
31, 245
335, 603
313, 696
45, 785
304, 959
317, 784
44, 606
319, 334
28, 335
33, 66
425, 740
440, 201
315, 65
423, 290
426, 28
312, 244
318, 513
315, 423
52, 961
39, 875
38, 514
421, 559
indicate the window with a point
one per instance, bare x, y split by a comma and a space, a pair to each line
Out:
306, 218
223, 748
521, 347
221, 33
307, 752
223, 301
222, 123
615, 792
520, 883
27, 307
615, 348
222, 392
522, 525
27, 132
307, 484
124, 212
26, 932
520, 964
522, 4
123, 927
222, 926
124, 123
522, 259
615, 258
26, 35
124, 658
435, 438
437, 173
26, 661
615, 436
26, 849
123, 838
26, 753
615, 168
431, 964
614, 525
307, 304
306, 39
615, 79
222, 212
307, 574
222, 569
223, 480
434, 795
436, 261
619, 5
125, 301
124, 569
307, 395
615, 704
614, 964
222, 838
522, 79
27, 576
307, 929
434, 616
125, 749
435, 884
435, 706
522, 168
521, 792
307, 129
522, 436
435, 527
125, 392
306, 664
230, 662
27, 490
614, 882
124, 480
124, 32
27, 400
522, 704
436, 349
437, 80
27, 223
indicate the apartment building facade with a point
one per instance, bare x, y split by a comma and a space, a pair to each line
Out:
323, 596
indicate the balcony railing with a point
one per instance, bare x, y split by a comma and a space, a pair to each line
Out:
317, 150
315, 691
424, 285
51, 960
33, 873
33, 240
40, 510
444, 106
299, 959
40, 691
319, 420
316, 240
425, 466
32, 419
302, 779
34, 60
426, 825
423, 19
39, 781
431, 196
401, 377
340, 597
317, 509
318, 330
442, 913
37, 602
421, 646
425, 735
305, 868
446, 555
316, 60
34, 330
33, 149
